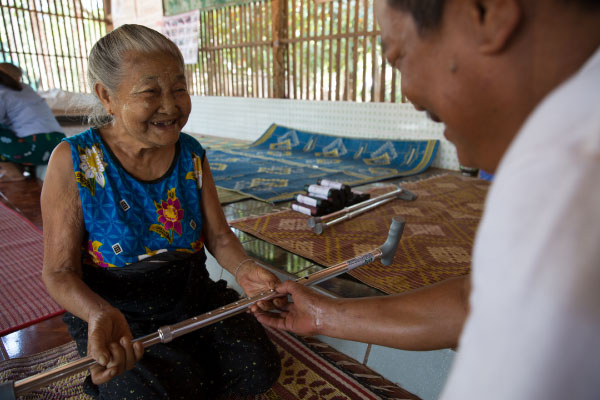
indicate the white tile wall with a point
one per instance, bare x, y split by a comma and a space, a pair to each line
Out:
248, 118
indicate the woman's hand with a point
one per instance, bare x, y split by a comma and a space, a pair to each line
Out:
109, 343
304, 315
255, 279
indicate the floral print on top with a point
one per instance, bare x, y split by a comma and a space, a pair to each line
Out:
126, 219
170, 215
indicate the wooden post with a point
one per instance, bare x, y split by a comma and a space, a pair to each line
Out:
108, 15
279, 21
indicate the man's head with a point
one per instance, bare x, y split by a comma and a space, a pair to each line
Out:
481, 66
11, 70
10, 76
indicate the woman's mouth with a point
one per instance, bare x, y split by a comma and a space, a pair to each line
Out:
164, 123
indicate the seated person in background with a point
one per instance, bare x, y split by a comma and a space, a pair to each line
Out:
517, 85
128, 208
28, 130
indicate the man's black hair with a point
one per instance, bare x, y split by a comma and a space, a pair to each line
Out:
428, 13
9, 82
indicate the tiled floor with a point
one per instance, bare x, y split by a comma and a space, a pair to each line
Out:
24, 197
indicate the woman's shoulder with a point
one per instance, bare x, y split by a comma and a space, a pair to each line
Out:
87, 136
60, 165
189, 142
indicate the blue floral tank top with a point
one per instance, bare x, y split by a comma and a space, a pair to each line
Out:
126, 219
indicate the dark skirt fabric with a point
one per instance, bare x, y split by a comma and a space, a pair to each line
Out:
233, 356
28, 150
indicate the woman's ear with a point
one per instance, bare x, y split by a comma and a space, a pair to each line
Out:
104, 96
495, 21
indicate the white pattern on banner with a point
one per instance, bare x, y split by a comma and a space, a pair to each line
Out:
182, 29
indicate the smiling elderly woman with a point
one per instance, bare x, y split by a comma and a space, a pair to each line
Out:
128, 208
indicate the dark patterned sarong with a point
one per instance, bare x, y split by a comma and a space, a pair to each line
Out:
231, 356
28, 150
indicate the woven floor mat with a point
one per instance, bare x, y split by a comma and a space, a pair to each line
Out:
23, 299
283, 160
436, 244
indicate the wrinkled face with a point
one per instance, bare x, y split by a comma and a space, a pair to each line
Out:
436, 73
152, 103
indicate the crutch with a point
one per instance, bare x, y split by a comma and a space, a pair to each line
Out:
320, 223
9, 390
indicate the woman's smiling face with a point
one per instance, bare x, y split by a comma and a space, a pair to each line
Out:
152, 103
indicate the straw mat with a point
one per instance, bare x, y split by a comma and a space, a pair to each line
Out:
24, 300
436, 244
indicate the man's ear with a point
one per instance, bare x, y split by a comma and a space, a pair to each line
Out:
496, 21
104, 96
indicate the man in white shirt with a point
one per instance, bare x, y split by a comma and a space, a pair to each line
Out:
517, 84
28, 130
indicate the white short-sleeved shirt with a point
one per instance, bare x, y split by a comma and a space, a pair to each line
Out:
534, 327
25, 112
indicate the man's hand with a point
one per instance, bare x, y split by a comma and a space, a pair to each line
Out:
109, 343
304, 315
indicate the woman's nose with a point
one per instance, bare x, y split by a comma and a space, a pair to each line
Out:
168, 104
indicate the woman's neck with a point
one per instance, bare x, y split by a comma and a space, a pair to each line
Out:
143, 162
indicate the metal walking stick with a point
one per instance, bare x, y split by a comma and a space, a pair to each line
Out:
9, 390
319, 224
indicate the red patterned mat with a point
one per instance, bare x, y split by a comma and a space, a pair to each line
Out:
436, 244
24, 300
305, 374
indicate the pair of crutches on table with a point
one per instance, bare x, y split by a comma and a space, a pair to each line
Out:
319, 224
10, 390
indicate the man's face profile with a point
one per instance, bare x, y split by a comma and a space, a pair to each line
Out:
441, 72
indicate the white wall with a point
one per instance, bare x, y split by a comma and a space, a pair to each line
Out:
248, 118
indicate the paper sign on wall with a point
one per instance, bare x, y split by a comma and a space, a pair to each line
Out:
182, 29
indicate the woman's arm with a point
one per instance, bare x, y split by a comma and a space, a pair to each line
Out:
63, 236
225, 246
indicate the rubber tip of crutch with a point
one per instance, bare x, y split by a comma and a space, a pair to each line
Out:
318, 228
407, 195
7, 391
311, 222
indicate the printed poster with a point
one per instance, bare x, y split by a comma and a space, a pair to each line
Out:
182, 29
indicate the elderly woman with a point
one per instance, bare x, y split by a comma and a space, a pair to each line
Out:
128, 208
28, 130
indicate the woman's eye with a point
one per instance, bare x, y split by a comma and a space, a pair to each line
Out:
148, 91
